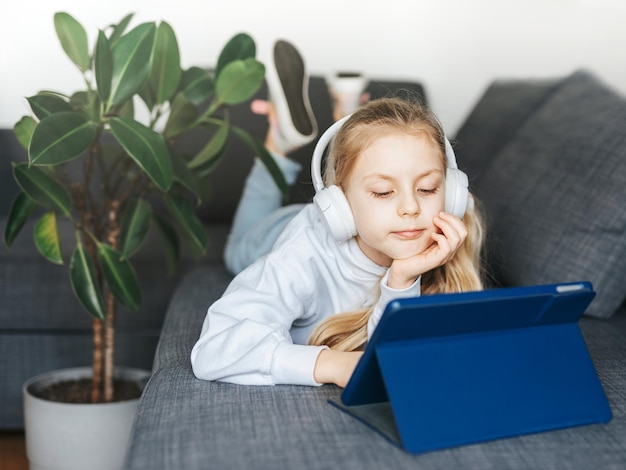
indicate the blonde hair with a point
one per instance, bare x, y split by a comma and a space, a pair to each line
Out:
348, 331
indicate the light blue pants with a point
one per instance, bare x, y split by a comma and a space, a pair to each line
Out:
260, 216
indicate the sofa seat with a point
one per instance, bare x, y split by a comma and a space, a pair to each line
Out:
188, 423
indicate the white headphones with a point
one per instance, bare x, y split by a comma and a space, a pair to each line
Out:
334, 206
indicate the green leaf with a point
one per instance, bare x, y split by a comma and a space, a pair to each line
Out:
183, 175
188, 221
41, 187
166, 72
145, 93
240, 46
84, 282
88, 103
73, 39
182, 115
120, 277
21, 210
147, 148
126, 109
171, 244
239, 81
135, 226
103, 64
131, 62
119, 28
47, 239
207, 157
44, 104
197, 85
266, 158
24, 130
59, 138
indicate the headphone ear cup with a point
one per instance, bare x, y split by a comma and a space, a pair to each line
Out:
335, 210
457, 193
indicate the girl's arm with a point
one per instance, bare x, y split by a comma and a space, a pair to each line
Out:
387, 294
245, 337
336, 367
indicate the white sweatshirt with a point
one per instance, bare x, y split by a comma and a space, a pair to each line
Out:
257, 332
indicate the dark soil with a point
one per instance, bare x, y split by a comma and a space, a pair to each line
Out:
79, 391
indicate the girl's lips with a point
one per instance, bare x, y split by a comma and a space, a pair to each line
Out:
409, 234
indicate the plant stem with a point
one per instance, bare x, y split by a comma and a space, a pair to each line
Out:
96, 382
87, 222
109, 347
205, 115
111, 305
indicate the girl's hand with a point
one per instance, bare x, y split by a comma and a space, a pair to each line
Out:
335, 367
446, 242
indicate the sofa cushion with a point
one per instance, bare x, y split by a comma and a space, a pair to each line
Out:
554, 196
500, 112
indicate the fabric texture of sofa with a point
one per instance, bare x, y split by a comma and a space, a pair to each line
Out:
547, 160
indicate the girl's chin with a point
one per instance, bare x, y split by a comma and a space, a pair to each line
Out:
406, 252
386, 254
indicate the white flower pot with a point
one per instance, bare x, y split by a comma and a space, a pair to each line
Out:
65, 436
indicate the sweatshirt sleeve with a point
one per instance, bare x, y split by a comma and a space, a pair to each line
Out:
245, 336
387, 294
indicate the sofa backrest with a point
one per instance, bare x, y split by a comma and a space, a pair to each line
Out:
504, 107
548, 162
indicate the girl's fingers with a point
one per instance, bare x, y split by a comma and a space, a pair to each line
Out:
452, 220
452, 233
451, 226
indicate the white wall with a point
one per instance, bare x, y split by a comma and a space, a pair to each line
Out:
454, 47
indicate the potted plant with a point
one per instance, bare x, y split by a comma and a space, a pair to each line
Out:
112, 175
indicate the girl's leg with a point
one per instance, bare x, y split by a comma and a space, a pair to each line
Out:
259, 218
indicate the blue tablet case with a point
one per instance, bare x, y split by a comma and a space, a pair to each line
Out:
453, 369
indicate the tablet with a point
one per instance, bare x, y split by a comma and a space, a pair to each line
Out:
450, 369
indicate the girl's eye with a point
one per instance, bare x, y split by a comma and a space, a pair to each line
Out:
427, 191
381, 195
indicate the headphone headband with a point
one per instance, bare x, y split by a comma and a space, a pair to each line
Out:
324, 140
318, 153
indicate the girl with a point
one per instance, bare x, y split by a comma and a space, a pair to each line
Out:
302, 313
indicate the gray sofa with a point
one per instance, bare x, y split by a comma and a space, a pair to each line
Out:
548, 161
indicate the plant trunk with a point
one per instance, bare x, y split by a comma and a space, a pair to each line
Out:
96, 384
109, 347
86, 219
111, 305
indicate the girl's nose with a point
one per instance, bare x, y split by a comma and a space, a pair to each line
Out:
409, 205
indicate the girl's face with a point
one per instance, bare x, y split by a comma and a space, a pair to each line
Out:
395, 189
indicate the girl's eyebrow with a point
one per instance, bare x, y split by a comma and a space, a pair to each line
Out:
378, 175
